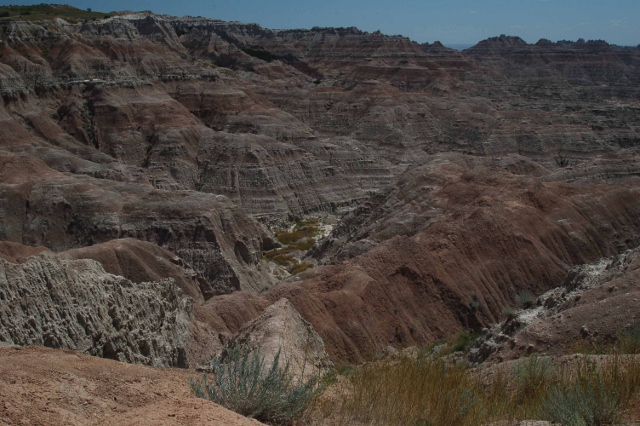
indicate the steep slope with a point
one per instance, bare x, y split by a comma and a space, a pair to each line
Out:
467, 232
596, 305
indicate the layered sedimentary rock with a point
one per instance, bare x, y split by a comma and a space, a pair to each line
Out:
62, 211
452, 232
291, 122
77, 305
490, 171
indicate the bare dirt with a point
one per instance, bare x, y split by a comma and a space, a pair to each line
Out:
40, 386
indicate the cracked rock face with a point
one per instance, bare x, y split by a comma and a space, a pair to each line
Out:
77, 305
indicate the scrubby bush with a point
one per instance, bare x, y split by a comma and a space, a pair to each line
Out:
509, 312
464, 341
244, 383
525, 299
593, 395
475, 303
582, 403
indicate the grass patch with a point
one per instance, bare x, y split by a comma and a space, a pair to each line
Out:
410, 392
47, 11
431, 391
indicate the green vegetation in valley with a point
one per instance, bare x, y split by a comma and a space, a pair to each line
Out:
300, 238
47, 11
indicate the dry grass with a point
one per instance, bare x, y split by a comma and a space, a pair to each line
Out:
409, 392
431, 391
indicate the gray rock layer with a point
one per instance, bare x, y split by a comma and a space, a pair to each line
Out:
77, 305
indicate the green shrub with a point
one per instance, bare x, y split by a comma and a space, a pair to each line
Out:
525, 299
593, 393
475, 303
243, 383
584, 402
465, 340
509, 312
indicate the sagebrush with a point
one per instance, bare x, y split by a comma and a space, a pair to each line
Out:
244, 383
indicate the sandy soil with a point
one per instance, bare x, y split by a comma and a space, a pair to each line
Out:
41, 386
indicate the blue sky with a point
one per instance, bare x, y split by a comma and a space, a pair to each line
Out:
450, 21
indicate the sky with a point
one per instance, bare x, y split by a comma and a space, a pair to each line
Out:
452, 22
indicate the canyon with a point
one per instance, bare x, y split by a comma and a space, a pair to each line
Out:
149, 164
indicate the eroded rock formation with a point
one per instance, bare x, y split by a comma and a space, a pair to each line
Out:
77, 305
471, 175
455, 232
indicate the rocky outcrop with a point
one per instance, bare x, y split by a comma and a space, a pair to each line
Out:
141, 261
18, 253
77, 305
281, 331
596, 305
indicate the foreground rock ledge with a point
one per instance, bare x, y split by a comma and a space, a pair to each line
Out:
56, 387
